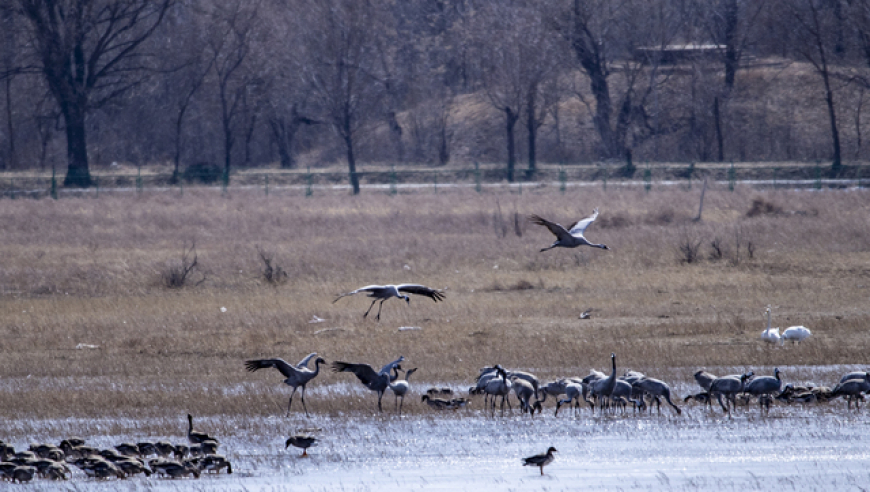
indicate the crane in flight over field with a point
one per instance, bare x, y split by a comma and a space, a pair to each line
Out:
384, 292
569, 238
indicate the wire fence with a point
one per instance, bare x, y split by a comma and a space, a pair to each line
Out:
481, 178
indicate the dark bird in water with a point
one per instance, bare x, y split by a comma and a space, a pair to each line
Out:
569, 238
384, 292
540, 460
197, 437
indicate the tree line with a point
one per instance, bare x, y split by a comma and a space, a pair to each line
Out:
238, 83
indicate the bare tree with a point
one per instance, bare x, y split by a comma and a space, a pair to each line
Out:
815, 20
515, 49
89, 52
229, 44
603, 36
343, 69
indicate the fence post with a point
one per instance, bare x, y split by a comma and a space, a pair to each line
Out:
732, 177
225, 180
647, 178
689, 172
97, 186
266, 177
180, 187
563, 179
435, 182
818, 184
393, 180
139, 180
53, 191
308, 190
477, 176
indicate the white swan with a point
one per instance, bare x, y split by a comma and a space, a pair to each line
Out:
770, 334
795, 334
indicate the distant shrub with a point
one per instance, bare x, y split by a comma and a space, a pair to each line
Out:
202, 172
273, 274
761, 206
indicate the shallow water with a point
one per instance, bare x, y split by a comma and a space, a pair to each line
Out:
796, 448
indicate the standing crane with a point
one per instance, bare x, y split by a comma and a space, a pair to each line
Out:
298, 375
375, 381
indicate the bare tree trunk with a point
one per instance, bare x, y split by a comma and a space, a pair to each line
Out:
351, 163
78, 173
591, 57
718, 121
510, 122
836, 164
532, 127
11, 158
731, 15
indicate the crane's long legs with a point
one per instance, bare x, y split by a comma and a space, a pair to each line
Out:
378, 317
303, 401
370, 308
380, 396
290, 403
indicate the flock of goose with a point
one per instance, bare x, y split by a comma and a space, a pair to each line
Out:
125, 460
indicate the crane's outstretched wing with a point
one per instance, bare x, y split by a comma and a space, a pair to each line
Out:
286, 369
389, 367
421, 290
556, 229
364, 372
367, 288
580, 227
304, 362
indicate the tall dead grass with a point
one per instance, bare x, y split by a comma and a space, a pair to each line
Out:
88, 327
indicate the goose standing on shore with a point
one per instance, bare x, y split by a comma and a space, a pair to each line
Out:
384, 292
298, 375
303, 441
540, 460
568, 238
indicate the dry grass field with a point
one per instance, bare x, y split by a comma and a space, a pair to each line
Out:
90, 330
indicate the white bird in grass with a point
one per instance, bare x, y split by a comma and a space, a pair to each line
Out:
795, 334
572, 237
384, 292
770, 334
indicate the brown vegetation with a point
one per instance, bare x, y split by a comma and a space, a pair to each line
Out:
88, 328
